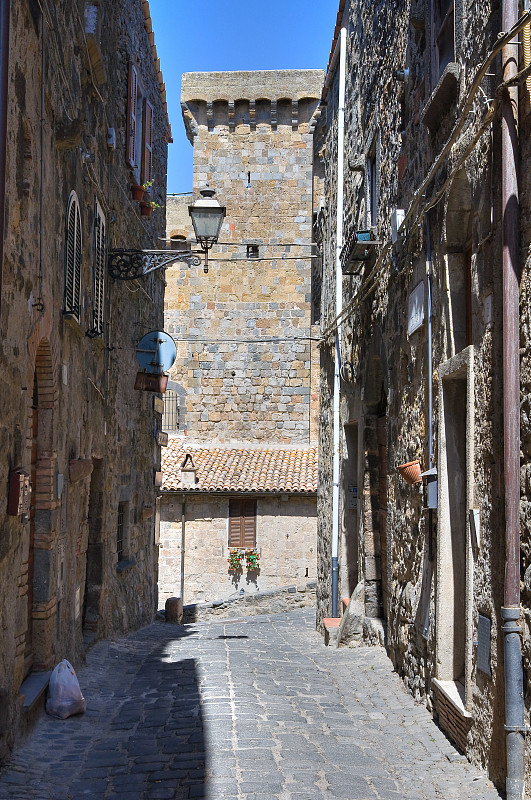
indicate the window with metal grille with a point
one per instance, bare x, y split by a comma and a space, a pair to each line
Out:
121, 531
171, 417
242, 523
253, 251
98, 272
73, 258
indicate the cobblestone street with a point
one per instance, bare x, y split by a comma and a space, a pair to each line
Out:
242, 709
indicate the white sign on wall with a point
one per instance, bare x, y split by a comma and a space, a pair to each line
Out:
415, 317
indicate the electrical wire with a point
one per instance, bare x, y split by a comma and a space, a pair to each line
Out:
45, 11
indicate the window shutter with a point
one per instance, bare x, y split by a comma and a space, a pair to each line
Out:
147, 142
242, 523
73, 258
235, 523
131, 115
98, 275
249, 523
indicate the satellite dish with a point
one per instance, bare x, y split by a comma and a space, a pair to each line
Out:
156, 352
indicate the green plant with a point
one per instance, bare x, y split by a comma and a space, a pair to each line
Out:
147, 187
252, 559
235, 560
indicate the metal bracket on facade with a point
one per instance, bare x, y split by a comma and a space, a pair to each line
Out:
126, 265
517, 728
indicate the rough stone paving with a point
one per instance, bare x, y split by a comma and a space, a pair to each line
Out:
251, 709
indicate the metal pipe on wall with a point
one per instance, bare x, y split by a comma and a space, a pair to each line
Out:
5, 15
183, 542
514, 703
339, 308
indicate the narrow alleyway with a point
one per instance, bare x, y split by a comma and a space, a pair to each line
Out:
243, 709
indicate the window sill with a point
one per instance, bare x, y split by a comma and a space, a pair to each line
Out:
71, 322
442, 98
454, 693
125, 566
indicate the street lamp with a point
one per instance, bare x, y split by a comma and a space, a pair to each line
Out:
207, 217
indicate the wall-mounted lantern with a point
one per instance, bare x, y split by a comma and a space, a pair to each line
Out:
207, 217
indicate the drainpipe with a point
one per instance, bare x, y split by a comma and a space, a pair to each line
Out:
5, 13
183, 542
339, 308
430, 376
514, 701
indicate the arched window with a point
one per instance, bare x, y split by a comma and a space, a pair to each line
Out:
98, 272
73, 258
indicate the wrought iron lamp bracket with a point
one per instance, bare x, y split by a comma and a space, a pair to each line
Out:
127, 265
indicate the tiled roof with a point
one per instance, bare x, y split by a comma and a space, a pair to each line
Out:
241, 470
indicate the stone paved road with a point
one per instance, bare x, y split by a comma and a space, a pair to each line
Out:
254, 709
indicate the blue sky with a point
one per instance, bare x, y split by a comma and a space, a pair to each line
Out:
212, 35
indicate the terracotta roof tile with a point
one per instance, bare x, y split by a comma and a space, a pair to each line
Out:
241, 470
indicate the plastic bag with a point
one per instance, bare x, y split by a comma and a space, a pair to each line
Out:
64, 694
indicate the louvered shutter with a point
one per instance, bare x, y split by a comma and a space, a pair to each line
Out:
98, 282
242, 523
73, 258
147, 142
235, 523
249, 523
131, 115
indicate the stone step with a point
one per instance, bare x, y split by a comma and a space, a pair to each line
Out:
33, 688
331, 626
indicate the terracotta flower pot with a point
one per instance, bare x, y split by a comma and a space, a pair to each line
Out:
137, 192
411, 472
145, 209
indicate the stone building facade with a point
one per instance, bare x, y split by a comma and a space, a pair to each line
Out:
422, 351
86, 120
246, 373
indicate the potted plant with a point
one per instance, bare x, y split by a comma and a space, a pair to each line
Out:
411, 471
137, 192
252, 560
235, 560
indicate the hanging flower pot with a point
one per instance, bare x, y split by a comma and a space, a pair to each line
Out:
137, 192
252, 560
146, 209
235, 560
411, 472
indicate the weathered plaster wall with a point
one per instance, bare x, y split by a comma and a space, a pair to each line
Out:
285, 539
87, 409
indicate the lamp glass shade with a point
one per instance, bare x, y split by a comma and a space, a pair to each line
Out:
207, 217
207, 221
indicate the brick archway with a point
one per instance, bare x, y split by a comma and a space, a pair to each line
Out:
41, 595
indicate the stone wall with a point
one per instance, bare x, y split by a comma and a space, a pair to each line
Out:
69, 414
428, 582
243, 331
285, 539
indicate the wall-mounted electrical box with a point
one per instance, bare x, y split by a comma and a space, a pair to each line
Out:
19, 493
430, 488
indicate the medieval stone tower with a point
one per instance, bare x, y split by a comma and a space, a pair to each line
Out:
244, 330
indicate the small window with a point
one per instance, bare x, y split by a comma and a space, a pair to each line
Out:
98, 272
170, 419
443, 35
242, 523
372, 185
253, 251
73, 258
122, 531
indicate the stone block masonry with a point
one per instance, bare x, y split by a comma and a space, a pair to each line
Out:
244, 330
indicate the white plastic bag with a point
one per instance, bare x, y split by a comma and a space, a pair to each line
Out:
64, 694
